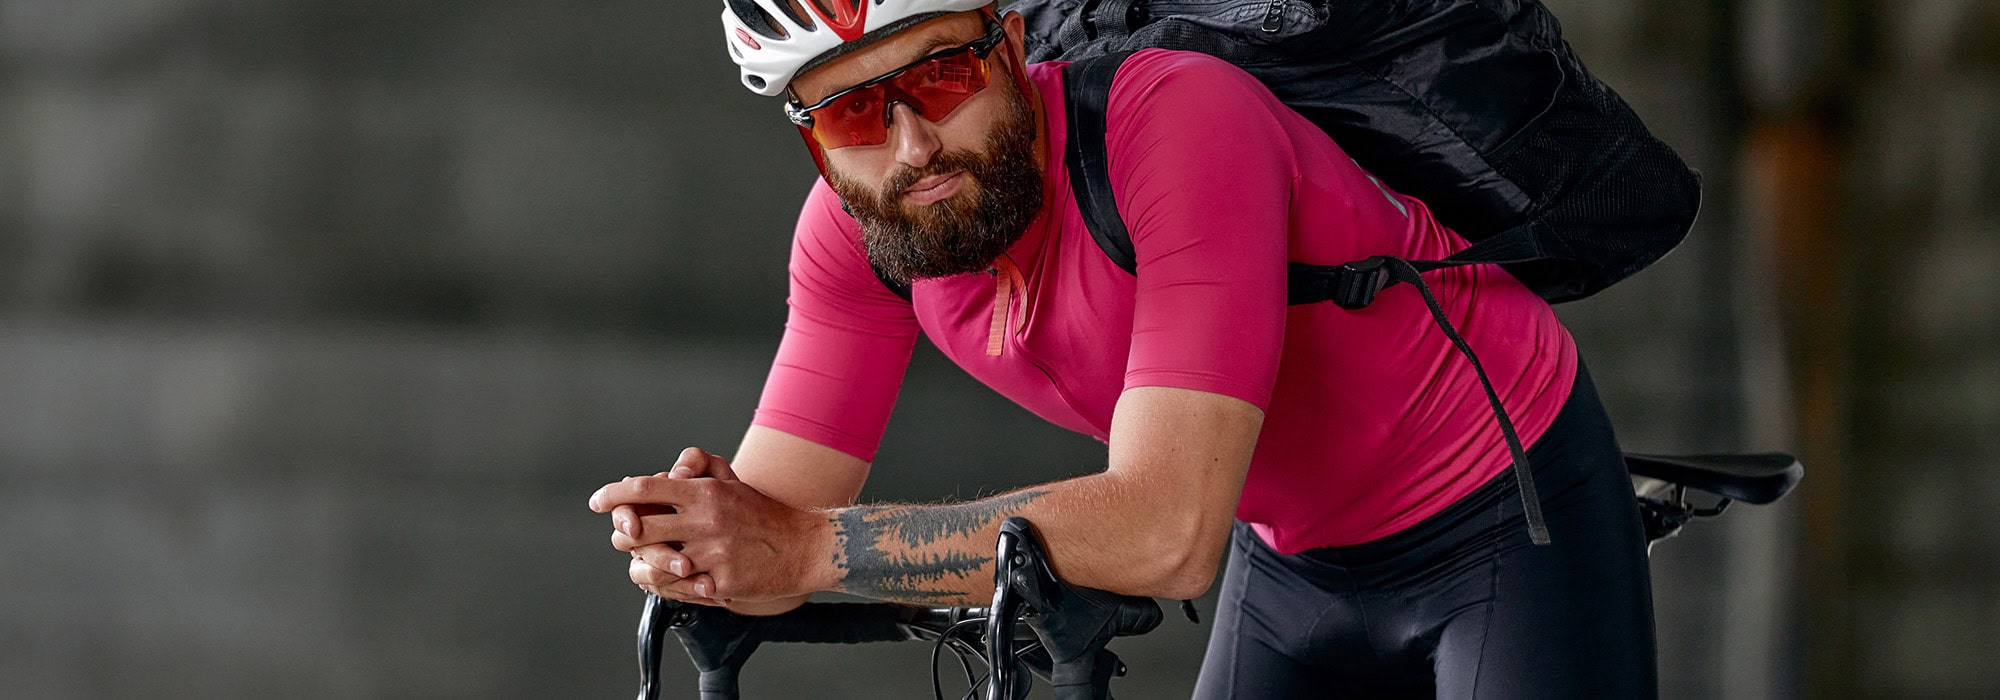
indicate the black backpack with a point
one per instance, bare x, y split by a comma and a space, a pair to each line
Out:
1476, 107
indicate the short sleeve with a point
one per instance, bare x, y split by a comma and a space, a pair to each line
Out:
1203, 172
847, 339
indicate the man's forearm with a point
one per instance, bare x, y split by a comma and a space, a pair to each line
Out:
923, 554
943, 554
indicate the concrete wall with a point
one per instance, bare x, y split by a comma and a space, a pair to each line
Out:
318, 320
1919, 546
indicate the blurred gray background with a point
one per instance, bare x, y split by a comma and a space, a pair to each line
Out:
320, 319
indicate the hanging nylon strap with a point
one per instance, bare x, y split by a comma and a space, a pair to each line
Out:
1355, 285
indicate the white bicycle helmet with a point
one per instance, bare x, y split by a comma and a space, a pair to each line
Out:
772, 39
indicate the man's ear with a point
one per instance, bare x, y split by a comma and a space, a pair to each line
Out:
1017, 30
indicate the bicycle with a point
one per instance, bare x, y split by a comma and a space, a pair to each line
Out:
1058, 632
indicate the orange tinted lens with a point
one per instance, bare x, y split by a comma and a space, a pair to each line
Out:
853, 119
940, 86
933, 88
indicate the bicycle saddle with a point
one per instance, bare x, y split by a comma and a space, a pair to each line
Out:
1751, 478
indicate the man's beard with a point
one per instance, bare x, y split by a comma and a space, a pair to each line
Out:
967, 231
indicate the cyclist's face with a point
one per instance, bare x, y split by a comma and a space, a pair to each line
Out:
938, 197
915, 135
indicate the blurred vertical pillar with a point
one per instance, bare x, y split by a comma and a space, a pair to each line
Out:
1793, 162
1793, 362
1792, 313
1770, 55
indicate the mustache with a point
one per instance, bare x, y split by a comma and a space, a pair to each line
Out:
944, 163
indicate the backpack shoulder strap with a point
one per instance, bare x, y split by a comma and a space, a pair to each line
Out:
1086, 97
1355, 284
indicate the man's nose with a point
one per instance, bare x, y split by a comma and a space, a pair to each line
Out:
914, 137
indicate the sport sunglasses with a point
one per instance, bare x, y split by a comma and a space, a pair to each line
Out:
933, 86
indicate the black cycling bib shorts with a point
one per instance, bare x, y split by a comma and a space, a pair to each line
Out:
1459, 605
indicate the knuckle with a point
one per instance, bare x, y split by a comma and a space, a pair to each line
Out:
707, 520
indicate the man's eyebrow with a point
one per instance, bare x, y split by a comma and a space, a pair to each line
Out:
938, 42
934, 43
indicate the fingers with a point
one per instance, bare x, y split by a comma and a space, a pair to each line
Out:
682, 590
648, 521
696, 586
630, 518
667, 585
651, 490
670, 595
658, 529
695, 462
719, 468
692, 464
659, 564
625, 519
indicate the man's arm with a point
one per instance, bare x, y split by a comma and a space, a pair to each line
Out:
798, 472
1154, 523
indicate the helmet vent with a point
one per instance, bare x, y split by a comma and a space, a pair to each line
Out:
836, 8
757, 19
799, 15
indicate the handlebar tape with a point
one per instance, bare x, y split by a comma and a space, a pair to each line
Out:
719, 683
838, 623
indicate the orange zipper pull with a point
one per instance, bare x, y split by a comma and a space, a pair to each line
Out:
1003, 289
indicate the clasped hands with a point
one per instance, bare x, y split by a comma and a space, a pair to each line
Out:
699, 535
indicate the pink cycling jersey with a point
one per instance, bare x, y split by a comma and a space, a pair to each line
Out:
1372, 420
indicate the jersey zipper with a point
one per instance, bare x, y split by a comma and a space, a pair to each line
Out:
1006, 281
1007, 284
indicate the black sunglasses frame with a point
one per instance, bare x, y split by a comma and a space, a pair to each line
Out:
981, 47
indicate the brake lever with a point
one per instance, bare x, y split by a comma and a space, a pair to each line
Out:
1011, 580
1073, 622
652, 642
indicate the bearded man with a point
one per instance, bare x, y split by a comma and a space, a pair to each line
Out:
1345, 458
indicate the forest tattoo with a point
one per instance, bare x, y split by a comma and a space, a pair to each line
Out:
889, 552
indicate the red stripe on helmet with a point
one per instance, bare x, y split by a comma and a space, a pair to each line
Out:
745, 36
849, 18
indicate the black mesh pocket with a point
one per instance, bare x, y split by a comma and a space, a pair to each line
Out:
1609, 197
